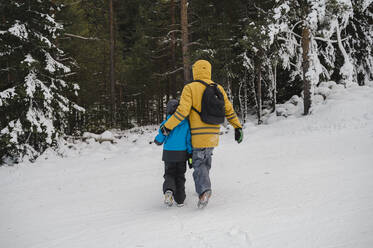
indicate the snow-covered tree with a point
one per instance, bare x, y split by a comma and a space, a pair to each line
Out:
313, 36
360, 42
258, 56
34, 96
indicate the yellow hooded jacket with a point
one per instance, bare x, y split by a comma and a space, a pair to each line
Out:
203, 134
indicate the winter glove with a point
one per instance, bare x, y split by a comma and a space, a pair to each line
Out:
238, 135
165, 131
190, 161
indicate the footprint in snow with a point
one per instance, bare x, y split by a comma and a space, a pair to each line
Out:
239, 237
198, 241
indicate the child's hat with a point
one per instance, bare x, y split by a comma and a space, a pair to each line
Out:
172, 106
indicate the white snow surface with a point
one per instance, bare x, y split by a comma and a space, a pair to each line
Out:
298, 182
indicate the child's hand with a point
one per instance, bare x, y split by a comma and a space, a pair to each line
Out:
157, 142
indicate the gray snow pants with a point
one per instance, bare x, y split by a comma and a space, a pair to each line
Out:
202, 165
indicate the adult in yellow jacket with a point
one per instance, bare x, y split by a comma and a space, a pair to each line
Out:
204, 136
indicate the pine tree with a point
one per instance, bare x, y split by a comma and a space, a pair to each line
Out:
360, 29
216, 28
34, 93
258, 52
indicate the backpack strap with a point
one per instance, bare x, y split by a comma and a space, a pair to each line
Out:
196, 110
202, 82
205, 84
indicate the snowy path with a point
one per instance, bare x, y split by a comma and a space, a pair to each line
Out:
305, 182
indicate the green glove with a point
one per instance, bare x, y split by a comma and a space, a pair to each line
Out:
238, 135
190, 161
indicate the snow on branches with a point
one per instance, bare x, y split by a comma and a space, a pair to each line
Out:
314, 41
325, 19
35, 103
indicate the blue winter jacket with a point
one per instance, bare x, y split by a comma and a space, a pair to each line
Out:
177, 145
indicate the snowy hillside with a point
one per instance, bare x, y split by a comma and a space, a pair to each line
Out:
298, 182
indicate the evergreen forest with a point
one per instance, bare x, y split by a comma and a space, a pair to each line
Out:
74, 66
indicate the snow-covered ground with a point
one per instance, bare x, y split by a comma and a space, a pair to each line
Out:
299, 182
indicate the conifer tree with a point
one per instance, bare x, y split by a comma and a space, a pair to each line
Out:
258, 55
34, 91
360, 29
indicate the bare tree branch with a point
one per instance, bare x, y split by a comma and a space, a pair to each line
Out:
169, 72
70, 4
173, 31
284, 39
328, 40
194, 43
81, 37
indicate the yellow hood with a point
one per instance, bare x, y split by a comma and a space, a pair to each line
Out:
201, 70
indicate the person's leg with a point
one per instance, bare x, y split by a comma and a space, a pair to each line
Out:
169, 177
202, 165
180, 182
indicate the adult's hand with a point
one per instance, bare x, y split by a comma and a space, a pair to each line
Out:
238, 135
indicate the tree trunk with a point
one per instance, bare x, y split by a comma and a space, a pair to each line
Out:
8, 77
184, 39
240, 99
243, 103
306, 66
274, 87
138, 110
347, 68
160, 106
112, 66
172, 82
120, 94
245, 100
258, 66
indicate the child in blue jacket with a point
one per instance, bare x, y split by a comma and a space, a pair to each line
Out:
177, 149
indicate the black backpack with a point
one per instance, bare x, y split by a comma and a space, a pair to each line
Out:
212, 105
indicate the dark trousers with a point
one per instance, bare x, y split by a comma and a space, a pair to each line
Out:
174, 180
